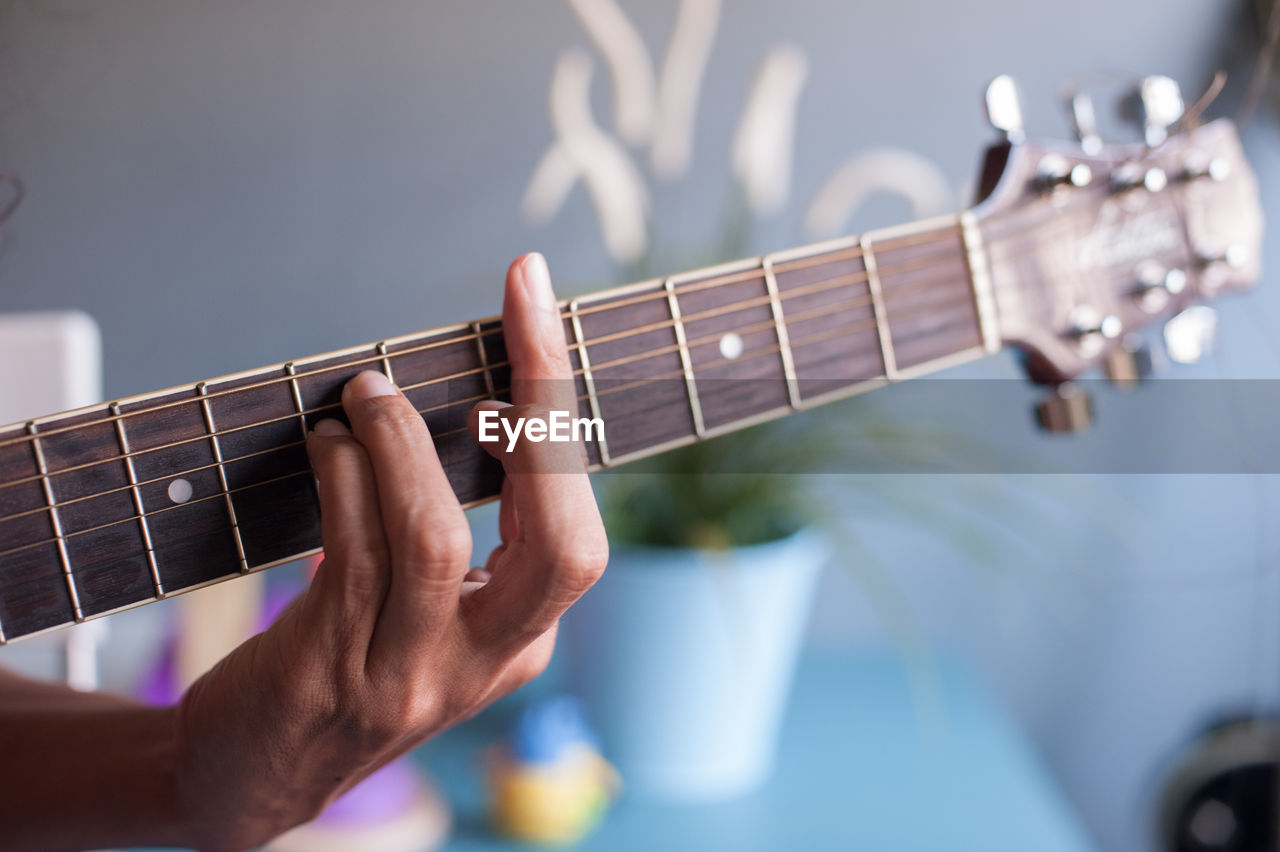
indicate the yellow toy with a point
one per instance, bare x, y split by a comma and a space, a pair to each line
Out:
548, 783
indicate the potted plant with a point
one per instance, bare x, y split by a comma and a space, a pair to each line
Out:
685, 650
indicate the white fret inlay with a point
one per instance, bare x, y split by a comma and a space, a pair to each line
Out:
180, 490
731, 346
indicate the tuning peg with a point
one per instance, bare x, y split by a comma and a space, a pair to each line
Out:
1189, 336
1065, 409
1155, 285
1199, 166
1162, 106
1004, 108
1233, 257
1091, 329
1129, 362
1055, 170
1085, 122
1132, 175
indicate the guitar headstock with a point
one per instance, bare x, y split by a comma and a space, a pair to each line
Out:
1088, 244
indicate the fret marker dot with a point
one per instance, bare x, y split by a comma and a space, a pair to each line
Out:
180, 491
731, 345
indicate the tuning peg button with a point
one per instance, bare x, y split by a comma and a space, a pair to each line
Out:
1085, 123
1201, 167
1092, 329
1189, 336
1004, 108
1233, 257
1156, 284
1065, 409
1055, 170
1162, 106
1130, 176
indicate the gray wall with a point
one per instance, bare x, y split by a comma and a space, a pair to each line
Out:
229, 184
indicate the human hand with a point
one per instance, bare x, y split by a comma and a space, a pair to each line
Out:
396, 639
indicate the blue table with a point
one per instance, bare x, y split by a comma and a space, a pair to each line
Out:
864, 765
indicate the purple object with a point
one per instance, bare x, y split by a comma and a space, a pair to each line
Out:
388, 792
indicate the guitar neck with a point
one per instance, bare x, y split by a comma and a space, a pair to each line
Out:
114, 506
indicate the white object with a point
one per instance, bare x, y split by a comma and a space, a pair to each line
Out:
180, 490
731, 345
763, 143
616, 186
679, 85
629, 64
903, 173
51, 362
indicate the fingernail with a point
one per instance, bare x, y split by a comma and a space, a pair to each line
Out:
537, 282
330, 428
369, 384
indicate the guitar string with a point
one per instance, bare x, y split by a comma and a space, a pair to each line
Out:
763, 325
799, 264
674, 375
736, 307
797, 292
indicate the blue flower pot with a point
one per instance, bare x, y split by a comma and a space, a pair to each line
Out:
685, 659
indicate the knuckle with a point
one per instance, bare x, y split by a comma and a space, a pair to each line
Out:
552, 355
437, 544
395, 418
580, 567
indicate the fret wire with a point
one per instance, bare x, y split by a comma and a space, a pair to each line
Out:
800, 264
676, 374
202, 390
695, 405
588, 379
806, 290
484, 360
381, 349
138, 507
784, 342
877, 307
296, 392
984, 300
55, 522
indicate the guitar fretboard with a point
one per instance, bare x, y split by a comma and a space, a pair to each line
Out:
106, 508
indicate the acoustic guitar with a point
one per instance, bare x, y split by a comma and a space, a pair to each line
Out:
1073, 247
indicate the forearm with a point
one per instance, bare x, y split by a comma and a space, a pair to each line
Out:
85, 770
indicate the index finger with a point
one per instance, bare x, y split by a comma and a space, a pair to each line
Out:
560, 544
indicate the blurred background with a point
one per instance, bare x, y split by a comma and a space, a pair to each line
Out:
221, 186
